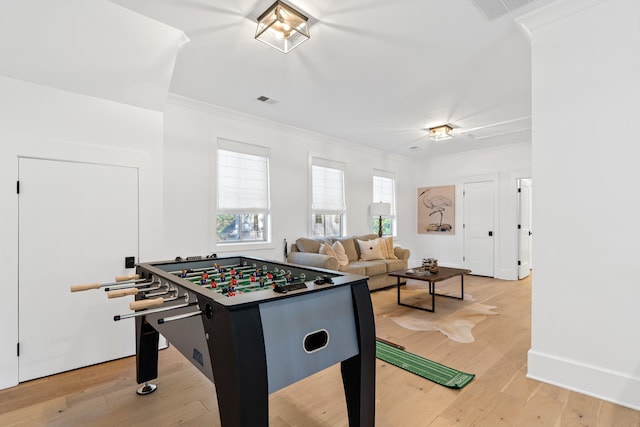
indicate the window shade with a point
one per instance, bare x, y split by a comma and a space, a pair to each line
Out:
383, 191
243, 182
327, 189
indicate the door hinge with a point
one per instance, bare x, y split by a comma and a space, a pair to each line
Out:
464, 258
463, 225
519, 226
519, 263
519, 190
18, 349
17, 187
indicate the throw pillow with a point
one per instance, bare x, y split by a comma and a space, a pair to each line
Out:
369, 250
327, 250
341, 254
388, 242
383, 247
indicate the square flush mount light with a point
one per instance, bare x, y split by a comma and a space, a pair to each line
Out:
440, 133
282, 27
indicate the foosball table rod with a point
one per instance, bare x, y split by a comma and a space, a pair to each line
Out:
152, 311
127, 280
179, 317
123, 292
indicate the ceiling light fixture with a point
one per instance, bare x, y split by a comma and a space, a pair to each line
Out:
283, 27
440, 133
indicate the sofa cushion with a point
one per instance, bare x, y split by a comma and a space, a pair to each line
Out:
370, 250
395, 264
308, 245
349, 247
371, 268
387, 251
353, 268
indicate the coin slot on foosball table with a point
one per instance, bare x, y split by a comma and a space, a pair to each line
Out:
315, 341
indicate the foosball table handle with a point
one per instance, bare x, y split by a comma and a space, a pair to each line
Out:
126, 278
146, 303
122, 292
77, 288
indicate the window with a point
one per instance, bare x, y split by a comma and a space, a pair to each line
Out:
243, 192
384, 190
327, 193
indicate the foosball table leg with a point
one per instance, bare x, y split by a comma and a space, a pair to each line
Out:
146, 355
147, 388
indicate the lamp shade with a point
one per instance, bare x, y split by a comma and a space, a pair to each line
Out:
282, 27
380, 209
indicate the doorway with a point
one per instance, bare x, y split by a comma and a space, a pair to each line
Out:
525, 232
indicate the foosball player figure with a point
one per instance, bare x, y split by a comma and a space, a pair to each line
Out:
183, 274
258, 272
269, 276
232, 272
288, 278
252, 278
261, 282
204, 278
240, 274
222, 277
214, 284
216, 267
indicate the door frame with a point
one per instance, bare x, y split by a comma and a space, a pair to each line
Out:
150, 214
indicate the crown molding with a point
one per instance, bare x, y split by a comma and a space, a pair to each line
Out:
550, 13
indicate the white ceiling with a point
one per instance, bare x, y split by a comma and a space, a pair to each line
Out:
374, 72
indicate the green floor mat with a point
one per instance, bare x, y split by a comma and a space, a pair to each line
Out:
425, 368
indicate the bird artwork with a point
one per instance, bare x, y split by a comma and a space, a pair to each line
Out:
436, 209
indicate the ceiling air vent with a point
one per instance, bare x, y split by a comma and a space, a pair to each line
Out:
266, 99
496, 8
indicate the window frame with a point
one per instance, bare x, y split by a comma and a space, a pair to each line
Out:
323, 212
242, 210
376, 196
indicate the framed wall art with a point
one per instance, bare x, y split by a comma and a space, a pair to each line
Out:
436, 209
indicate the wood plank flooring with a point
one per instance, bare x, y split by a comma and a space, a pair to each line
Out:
500, 395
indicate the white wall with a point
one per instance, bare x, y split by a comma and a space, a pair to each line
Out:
191, 132
504, 165
37, 121
586, 99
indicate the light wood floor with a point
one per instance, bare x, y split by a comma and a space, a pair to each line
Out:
500, 395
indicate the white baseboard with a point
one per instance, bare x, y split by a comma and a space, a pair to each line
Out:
615, 387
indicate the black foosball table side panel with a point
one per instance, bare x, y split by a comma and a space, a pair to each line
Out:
236, 346
359, 372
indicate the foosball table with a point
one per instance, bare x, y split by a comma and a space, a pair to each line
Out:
252, 327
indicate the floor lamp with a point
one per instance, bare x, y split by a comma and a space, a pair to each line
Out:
380, 209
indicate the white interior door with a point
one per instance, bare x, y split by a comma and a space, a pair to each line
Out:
524, 229
77, 223
478, 227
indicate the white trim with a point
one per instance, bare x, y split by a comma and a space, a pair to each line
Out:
605, 384
550, 13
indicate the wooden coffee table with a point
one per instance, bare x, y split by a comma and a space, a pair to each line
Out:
419, 273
